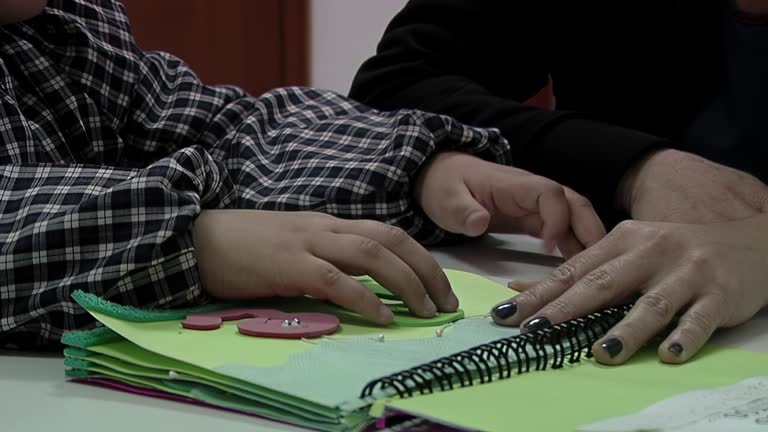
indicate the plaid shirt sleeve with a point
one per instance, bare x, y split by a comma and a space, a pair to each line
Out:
109, 153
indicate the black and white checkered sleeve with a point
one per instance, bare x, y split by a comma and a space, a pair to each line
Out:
121, 234
108, 161
304, 149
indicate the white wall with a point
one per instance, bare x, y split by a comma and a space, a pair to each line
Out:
344, 33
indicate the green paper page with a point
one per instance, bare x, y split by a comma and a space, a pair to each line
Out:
130, 353
217, 397
579, 394
185, 382
160, 379
352, 422
227, 352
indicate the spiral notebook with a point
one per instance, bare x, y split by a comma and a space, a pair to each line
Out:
446, 369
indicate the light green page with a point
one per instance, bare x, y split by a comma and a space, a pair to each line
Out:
159, 379
128, 363
128, 352
217, 349
564, 399
213, 396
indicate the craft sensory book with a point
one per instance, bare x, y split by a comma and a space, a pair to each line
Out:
314, 381
310, 363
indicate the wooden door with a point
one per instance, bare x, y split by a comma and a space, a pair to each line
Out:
254, 44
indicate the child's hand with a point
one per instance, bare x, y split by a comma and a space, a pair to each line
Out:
246, 254
467, 195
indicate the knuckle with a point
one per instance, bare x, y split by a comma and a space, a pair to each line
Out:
414, 287
700, 264
625, 231
438, 274
638, 229
628, 226
663, 239
600, 280
659, 305
369, 247
559, 308
310, 220
535, 296
580, 201
565, 274
329, 277
312, 215
387, 234
554, 189
697, 324
547, 186
395, 235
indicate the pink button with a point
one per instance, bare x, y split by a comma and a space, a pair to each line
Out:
213, 320
299, 325
267, 323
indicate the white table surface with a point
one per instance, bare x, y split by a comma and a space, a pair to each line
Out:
35, 397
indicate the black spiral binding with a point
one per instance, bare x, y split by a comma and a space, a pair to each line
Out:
567, 341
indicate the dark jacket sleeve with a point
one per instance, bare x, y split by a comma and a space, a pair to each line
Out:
479, 61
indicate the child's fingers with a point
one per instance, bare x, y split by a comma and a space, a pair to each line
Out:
520, 197
322, 279
419, 260
361, 255
585, 223
555, 213
520, 285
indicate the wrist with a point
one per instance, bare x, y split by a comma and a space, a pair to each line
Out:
427, 169
630, 183
201, 235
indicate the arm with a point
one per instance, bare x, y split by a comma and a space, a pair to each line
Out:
142, 146
452, 56
121, 234
300, 149
79, 209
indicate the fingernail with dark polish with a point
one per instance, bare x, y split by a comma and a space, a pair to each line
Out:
676, 349
505, 310
613, 347
537, 323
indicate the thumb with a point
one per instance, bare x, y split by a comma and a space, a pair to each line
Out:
476, 222
468, 216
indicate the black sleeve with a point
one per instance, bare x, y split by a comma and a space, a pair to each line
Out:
477, 61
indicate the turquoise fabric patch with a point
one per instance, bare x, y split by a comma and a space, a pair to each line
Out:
362, 358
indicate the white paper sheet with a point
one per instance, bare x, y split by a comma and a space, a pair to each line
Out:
739, 407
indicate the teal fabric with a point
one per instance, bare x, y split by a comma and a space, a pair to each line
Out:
352, 363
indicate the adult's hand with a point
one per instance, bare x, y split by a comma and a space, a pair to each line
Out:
709, 276
674, 186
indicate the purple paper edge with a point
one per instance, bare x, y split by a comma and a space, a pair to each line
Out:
159, 394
